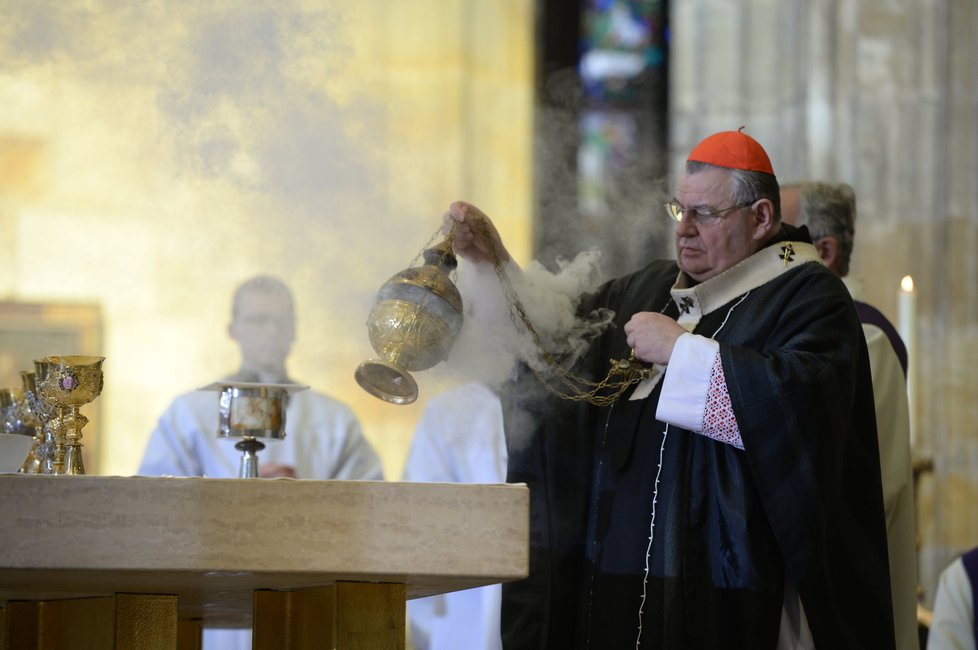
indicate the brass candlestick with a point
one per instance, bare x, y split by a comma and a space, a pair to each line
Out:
66, 383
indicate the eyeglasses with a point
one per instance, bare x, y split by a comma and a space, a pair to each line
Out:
263, 320
701, 217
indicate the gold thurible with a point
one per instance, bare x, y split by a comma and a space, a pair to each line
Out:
418, 315
413, 325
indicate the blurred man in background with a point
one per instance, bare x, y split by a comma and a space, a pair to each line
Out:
323, 439
459, 439
829, 211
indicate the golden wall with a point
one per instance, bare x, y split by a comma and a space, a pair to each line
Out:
154, 155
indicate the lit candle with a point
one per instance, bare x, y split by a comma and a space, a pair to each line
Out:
907, 299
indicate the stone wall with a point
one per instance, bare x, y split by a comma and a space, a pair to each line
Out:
881, 94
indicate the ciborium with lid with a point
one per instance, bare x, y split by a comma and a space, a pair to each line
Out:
250, 414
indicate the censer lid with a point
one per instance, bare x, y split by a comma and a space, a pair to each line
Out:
387, 382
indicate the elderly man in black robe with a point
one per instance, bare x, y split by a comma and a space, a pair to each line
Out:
731, 499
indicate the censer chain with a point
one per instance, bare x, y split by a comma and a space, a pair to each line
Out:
621, 374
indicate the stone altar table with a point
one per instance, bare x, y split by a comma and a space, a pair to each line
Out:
136, 562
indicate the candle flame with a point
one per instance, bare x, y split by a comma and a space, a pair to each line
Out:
907, 284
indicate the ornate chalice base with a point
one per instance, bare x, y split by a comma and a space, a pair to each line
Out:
250, 411
66, 383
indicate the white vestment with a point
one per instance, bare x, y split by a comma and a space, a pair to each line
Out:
953, 625
323, 440
896, 464
459, 439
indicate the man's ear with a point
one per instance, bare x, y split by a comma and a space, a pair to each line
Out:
764, 222
828, 250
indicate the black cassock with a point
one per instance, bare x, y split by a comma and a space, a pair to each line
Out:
802, 502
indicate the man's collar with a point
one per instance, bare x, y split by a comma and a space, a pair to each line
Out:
779, 256
787, 232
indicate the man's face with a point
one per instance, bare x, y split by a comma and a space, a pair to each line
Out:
264, 329
705, 251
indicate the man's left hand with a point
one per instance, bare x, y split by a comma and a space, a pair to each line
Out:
652, 336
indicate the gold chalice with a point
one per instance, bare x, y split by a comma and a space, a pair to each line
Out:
66, 383
51, 452
413, 325
9, 398
19, 419
38, 414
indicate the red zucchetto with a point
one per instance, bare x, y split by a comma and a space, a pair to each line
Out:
733, 150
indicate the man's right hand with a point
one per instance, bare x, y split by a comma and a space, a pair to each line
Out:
475, 237
275, 470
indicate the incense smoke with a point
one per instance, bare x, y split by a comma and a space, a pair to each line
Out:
493, 338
